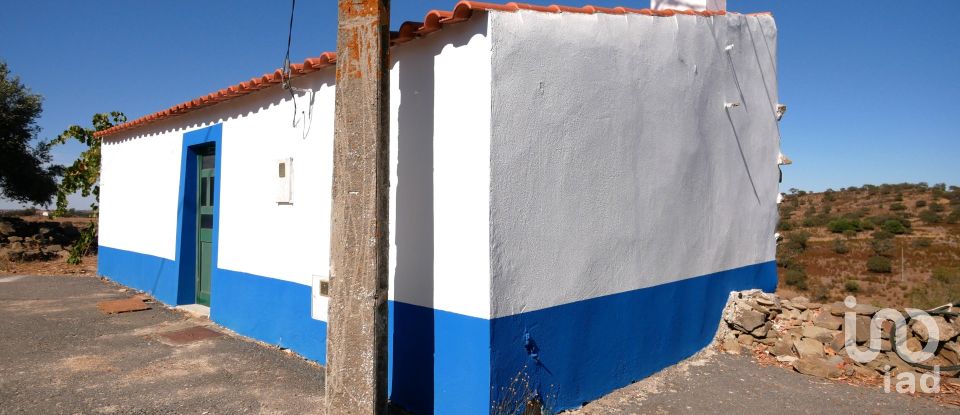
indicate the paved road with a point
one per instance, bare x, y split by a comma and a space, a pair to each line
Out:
713, 383
59, 354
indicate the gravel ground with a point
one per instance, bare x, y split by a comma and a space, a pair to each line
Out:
59, 354
713, 383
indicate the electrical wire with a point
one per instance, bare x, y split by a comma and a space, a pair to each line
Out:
285, 67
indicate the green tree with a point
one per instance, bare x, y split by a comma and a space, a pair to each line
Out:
24, 174
83, 176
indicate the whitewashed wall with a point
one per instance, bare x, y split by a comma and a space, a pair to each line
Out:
614, 163
440, 144
257, 235
139, 187
440, 170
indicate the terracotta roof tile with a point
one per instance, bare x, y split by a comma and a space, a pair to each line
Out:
433, 21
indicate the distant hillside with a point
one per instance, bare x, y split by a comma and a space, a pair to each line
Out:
853, 241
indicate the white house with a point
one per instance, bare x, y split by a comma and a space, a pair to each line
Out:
574, 193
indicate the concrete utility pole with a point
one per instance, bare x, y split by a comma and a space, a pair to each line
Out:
356, 377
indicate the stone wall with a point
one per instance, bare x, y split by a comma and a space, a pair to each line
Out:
22, 240
809, 336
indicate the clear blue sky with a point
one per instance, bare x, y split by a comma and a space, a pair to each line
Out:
873, 87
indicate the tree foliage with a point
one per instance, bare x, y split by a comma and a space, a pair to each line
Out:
24, 174
83, 176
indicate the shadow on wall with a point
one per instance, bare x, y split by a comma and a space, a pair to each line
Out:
413, 337
412, 376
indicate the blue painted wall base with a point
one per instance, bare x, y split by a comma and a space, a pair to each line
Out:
270, 310
574, 353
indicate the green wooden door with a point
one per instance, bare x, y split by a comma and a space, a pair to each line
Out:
206, 160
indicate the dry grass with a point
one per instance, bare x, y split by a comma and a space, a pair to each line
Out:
924, 248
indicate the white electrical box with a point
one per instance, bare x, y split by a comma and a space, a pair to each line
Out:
284, 174
319, 296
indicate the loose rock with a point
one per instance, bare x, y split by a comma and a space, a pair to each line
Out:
821, 334
815, 366
946, 330
746, 320
807, 347
828, 321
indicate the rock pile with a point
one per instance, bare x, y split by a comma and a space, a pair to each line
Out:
22, 240
810, 336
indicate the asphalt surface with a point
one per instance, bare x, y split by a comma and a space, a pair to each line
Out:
717, 383
60, 355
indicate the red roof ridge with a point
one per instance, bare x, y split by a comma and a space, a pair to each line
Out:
433, 21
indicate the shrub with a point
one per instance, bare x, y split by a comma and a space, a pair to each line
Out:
796, 278
953, 217
882, 234
882, 247
819, 293
896, 207
850, 233
922, 243
879, 264
921, 203
879, 220
943, 287
946, 275
851, 286
895, 227
930, 217
787, 261
784, 225
866, 225
815, 220
937, 208
841, 225
797, 241
840, 247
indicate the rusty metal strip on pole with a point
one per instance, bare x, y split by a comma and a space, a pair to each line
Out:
357, 328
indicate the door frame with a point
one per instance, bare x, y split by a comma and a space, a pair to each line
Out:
202, 151
187, 215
